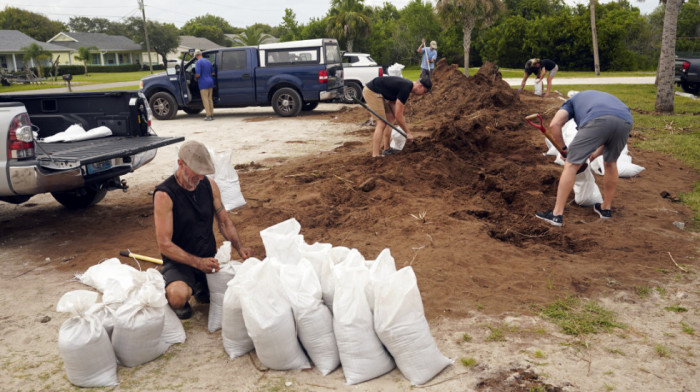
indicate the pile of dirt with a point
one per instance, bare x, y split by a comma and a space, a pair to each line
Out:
458, 204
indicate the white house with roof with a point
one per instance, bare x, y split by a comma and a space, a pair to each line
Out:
12, 53
111, 49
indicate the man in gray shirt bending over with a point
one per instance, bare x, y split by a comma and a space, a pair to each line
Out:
604, 124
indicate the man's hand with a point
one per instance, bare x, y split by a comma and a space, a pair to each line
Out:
208, 265
245, 253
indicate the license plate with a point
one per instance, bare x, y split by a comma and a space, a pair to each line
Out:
97, 167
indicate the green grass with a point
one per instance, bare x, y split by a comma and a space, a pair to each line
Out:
577, 318
642, 291
468, 362
412, 72
82, 80
676, 309
662, 350
497, 334
687, 328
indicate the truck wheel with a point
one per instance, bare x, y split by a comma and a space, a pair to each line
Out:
163, 106
352, 90
80, 198
691, 88
309, 106
192, 111
286, 102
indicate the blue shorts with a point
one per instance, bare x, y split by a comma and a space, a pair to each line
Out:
609, 131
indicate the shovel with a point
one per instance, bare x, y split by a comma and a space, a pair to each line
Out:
541, 127
380, 117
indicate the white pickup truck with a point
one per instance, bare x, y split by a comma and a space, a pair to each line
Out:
78, 174
358, 70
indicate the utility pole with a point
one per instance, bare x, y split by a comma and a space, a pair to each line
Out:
145, 32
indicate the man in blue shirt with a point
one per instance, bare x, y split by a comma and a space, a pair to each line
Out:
604, 124
204, 75
427, 62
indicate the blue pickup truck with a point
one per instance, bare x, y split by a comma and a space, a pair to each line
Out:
289, 76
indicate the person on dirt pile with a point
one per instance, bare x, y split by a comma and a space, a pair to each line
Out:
604, 124
429, 55
387, 95
204, 75
540, 68
184, 208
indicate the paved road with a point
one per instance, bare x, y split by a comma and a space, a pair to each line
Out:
511, 81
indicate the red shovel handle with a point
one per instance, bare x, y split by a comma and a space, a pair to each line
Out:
540, 126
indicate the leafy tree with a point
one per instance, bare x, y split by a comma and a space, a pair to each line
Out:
162, 37
36, 53
665, 72
689, 28
316, 28
208, 20
34, 25
89, 25
348, 20
252, 36
211, 33
289, 29
470, 14
380, 42
417, 21
533, 9
84, 56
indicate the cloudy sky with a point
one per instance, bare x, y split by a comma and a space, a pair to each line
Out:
237, 13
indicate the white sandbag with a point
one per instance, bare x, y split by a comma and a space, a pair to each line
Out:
319, 255
173, 331
400, 323
379, 270
395, 70
362, 354
226, 179
586, 191
76, 133
138, 330
338, 254
314, 320
269, 320
551, 150
398, 141
625, 167
83, 343
281, 241
218, 283
234, 334
538, 86
113, 297
98, 275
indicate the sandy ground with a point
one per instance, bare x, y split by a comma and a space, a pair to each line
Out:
42, 246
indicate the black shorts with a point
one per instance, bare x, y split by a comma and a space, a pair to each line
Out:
173, 272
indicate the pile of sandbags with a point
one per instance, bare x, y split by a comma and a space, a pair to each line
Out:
131, 326
332, 304
586, 192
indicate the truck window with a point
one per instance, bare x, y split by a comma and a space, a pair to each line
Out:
332, 54
292, 56
233, 60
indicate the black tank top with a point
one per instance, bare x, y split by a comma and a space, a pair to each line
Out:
193, 217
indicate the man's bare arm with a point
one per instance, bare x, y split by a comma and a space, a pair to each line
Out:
226, 226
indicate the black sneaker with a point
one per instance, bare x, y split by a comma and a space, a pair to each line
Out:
556, 220
201, 294
604, 214
184, 312
390, 151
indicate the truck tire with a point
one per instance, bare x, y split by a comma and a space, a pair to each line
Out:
80, 198
163, 106
192, 111
287, 102
309, 106
352, 89
691, 88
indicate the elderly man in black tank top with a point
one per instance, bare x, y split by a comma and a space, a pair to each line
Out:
184, 208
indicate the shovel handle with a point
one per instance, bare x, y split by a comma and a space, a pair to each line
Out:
380, 117
140, 257
551, 139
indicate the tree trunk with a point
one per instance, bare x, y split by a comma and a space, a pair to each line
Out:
467, 27
664, 89
596, 59
85, 65
349, 44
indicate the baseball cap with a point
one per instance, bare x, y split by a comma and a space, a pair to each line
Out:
196, 157
197, 52
427, 84
433, 45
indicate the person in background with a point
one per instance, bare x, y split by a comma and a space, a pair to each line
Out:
204, 75
604, 124
540, 68
184, 208
429, 55
387, 96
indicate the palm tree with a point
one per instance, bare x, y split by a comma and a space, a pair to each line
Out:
252, 36
84, 56
348, 20
596, 59
35, 53
469, 13
665, 72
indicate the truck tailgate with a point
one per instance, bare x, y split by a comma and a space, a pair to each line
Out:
74, 154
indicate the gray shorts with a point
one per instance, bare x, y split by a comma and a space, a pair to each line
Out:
554, 71
609, 131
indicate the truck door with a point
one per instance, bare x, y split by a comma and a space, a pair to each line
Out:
183, 76
236, 78
334, 65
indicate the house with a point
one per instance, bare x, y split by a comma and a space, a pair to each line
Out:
111, 49
12, 54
